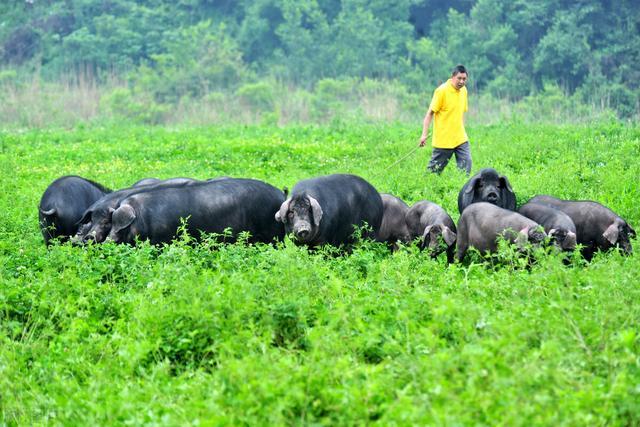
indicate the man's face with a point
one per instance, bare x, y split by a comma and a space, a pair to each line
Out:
459, 80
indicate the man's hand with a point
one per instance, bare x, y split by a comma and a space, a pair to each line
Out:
425, 127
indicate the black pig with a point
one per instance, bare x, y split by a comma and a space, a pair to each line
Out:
557, 224
432, 224
487, 186
63, 204
95, 223
326, 209
597, 227
481, 224
242, 205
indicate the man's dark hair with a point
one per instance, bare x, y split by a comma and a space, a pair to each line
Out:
459, 69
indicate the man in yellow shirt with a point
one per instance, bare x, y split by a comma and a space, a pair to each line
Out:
448, 106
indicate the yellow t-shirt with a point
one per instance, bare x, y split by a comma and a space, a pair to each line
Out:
449, 105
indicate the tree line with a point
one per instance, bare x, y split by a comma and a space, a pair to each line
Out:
513, 48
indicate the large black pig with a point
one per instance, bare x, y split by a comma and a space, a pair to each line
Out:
482, 224
327, 209
95, 223
63, 204
242, 205
597, 227
433, 225
487, 186
557, 224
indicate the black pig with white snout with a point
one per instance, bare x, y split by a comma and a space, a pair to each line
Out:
328, 209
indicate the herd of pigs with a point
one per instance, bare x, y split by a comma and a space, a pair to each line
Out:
325, 210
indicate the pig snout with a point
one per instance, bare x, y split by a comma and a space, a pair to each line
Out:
537, 236
563, 239
302, 233
492, 197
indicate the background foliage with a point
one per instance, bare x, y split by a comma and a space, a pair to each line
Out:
174, 52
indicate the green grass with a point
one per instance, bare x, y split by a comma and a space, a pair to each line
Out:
257, 335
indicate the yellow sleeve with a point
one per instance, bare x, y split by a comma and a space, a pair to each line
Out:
466, 104
436, 101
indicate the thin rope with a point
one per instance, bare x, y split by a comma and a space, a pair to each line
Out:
396, 162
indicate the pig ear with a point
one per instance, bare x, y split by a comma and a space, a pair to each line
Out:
504, 182
281, 215
316, 210
426, 239
465, 198
507, 194
611, 233
49, 212
86, 217
426, 231
122, 218
448, 235
471, 185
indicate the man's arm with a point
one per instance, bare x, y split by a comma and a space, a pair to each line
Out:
425, 126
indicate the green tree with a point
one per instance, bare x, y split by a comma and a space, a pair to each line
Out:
305, 34
424, 13
430, 62
117, 37
257, 33
356, 46
511, 47
563, 53
497, 58
198, 60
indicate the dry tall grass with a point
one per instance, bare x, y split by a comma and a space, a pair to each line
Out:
79, 98
36, 103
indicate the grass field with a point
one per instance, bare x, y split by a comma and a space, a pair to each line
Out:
259, 335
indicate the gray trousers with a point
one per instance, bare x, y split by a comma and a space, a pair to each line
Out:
440, 158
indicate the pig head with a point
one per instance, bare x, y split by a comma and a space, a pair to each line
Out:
487, 186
